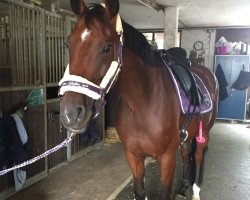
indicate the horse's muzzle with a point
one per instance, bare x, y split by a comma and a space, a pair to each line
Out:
75, 111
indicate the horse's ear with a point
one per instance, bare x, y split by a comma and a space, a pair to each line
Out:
112, 7
78, 7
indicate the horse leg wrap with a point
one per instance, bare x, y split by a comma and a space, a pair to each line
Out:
180, 197
184, 187
196, 192
140, 196
186, 183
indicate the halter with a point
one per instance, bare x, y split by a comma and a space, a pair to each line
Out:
97, 92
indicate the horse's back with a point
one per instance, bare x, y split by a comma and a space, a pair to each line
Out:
208, 78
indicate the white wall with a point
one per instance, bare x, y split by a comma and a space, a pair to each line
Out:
207, 36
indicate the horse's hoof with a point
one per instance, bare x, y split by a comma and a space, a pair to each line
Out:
145, 198
179, 197
196, 198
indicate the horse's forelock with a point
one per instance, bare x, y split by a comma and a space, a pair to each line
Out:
96, 11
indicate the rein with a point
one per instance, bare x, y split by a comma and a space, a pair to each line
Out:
97, 92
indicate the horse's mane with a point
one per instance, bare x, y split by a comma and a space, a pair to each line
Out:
137, 43
133, 39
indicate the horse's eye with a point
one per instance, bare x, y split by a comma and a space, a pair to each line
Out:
107, 48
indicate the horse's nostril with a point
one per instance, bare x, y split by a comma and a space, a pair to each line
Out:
80, 113
73, 115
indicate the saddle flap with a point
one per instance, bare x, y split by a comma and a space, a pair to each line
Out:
185, 77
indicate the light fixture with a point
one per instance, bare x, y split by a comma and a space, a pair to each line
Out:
34, 2
56, 7
152, 4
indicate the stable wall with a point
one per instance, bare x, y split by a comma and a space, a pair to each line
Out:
207, 36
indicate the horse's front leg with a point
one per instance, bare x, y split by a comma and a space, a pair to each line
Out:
167, 163
136, 164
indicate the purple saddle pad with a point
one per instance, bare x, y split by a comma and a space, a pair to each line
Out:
186, 107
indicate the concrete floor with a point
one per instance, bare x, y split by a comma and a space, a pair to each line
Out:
104, 172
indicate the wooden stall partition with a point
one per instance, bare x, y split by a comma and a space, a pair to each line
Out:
23, 56
56, 134
35, 55
5, 70
55, 48
26, 44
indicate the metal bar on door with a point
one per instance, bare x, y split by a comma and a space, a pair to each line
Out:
39, 44
7, 27
34, 46
29, 49
56, 49
49, 50
25, 56
20, 34
60, 50
53, 49
11, 47
17, 44
1, 43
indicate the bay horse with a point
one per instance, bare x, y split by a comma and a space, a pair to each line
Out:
149, 117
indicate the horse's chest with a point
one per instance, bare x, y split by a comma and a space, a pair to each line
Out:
148, 138
145, 144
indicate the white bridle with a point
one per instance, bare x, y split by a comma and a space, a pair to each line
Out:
84, 86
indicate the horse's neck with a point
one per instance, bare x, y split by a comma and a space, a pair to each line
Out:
135, 80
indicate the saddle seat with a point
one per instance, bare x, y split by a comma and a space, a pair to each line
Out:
176, 59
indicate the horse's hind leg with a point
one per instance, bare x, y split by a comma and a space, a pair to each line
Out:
136, 164
187, 152
199, 163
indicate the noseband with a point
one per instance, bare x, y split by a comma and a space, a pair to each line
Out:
97, 92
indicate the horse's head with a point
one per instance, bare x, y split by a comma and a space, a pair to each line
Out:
95, 50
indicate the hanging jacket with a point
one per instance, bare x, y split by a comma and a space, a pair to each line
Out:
13, 151
223, 94
20, 174
243, 81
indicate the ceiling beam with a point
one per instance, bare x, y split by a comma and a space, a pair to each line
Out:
153, 5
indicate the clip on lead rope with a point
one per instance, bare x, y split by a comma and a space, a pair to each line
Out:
200, 139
